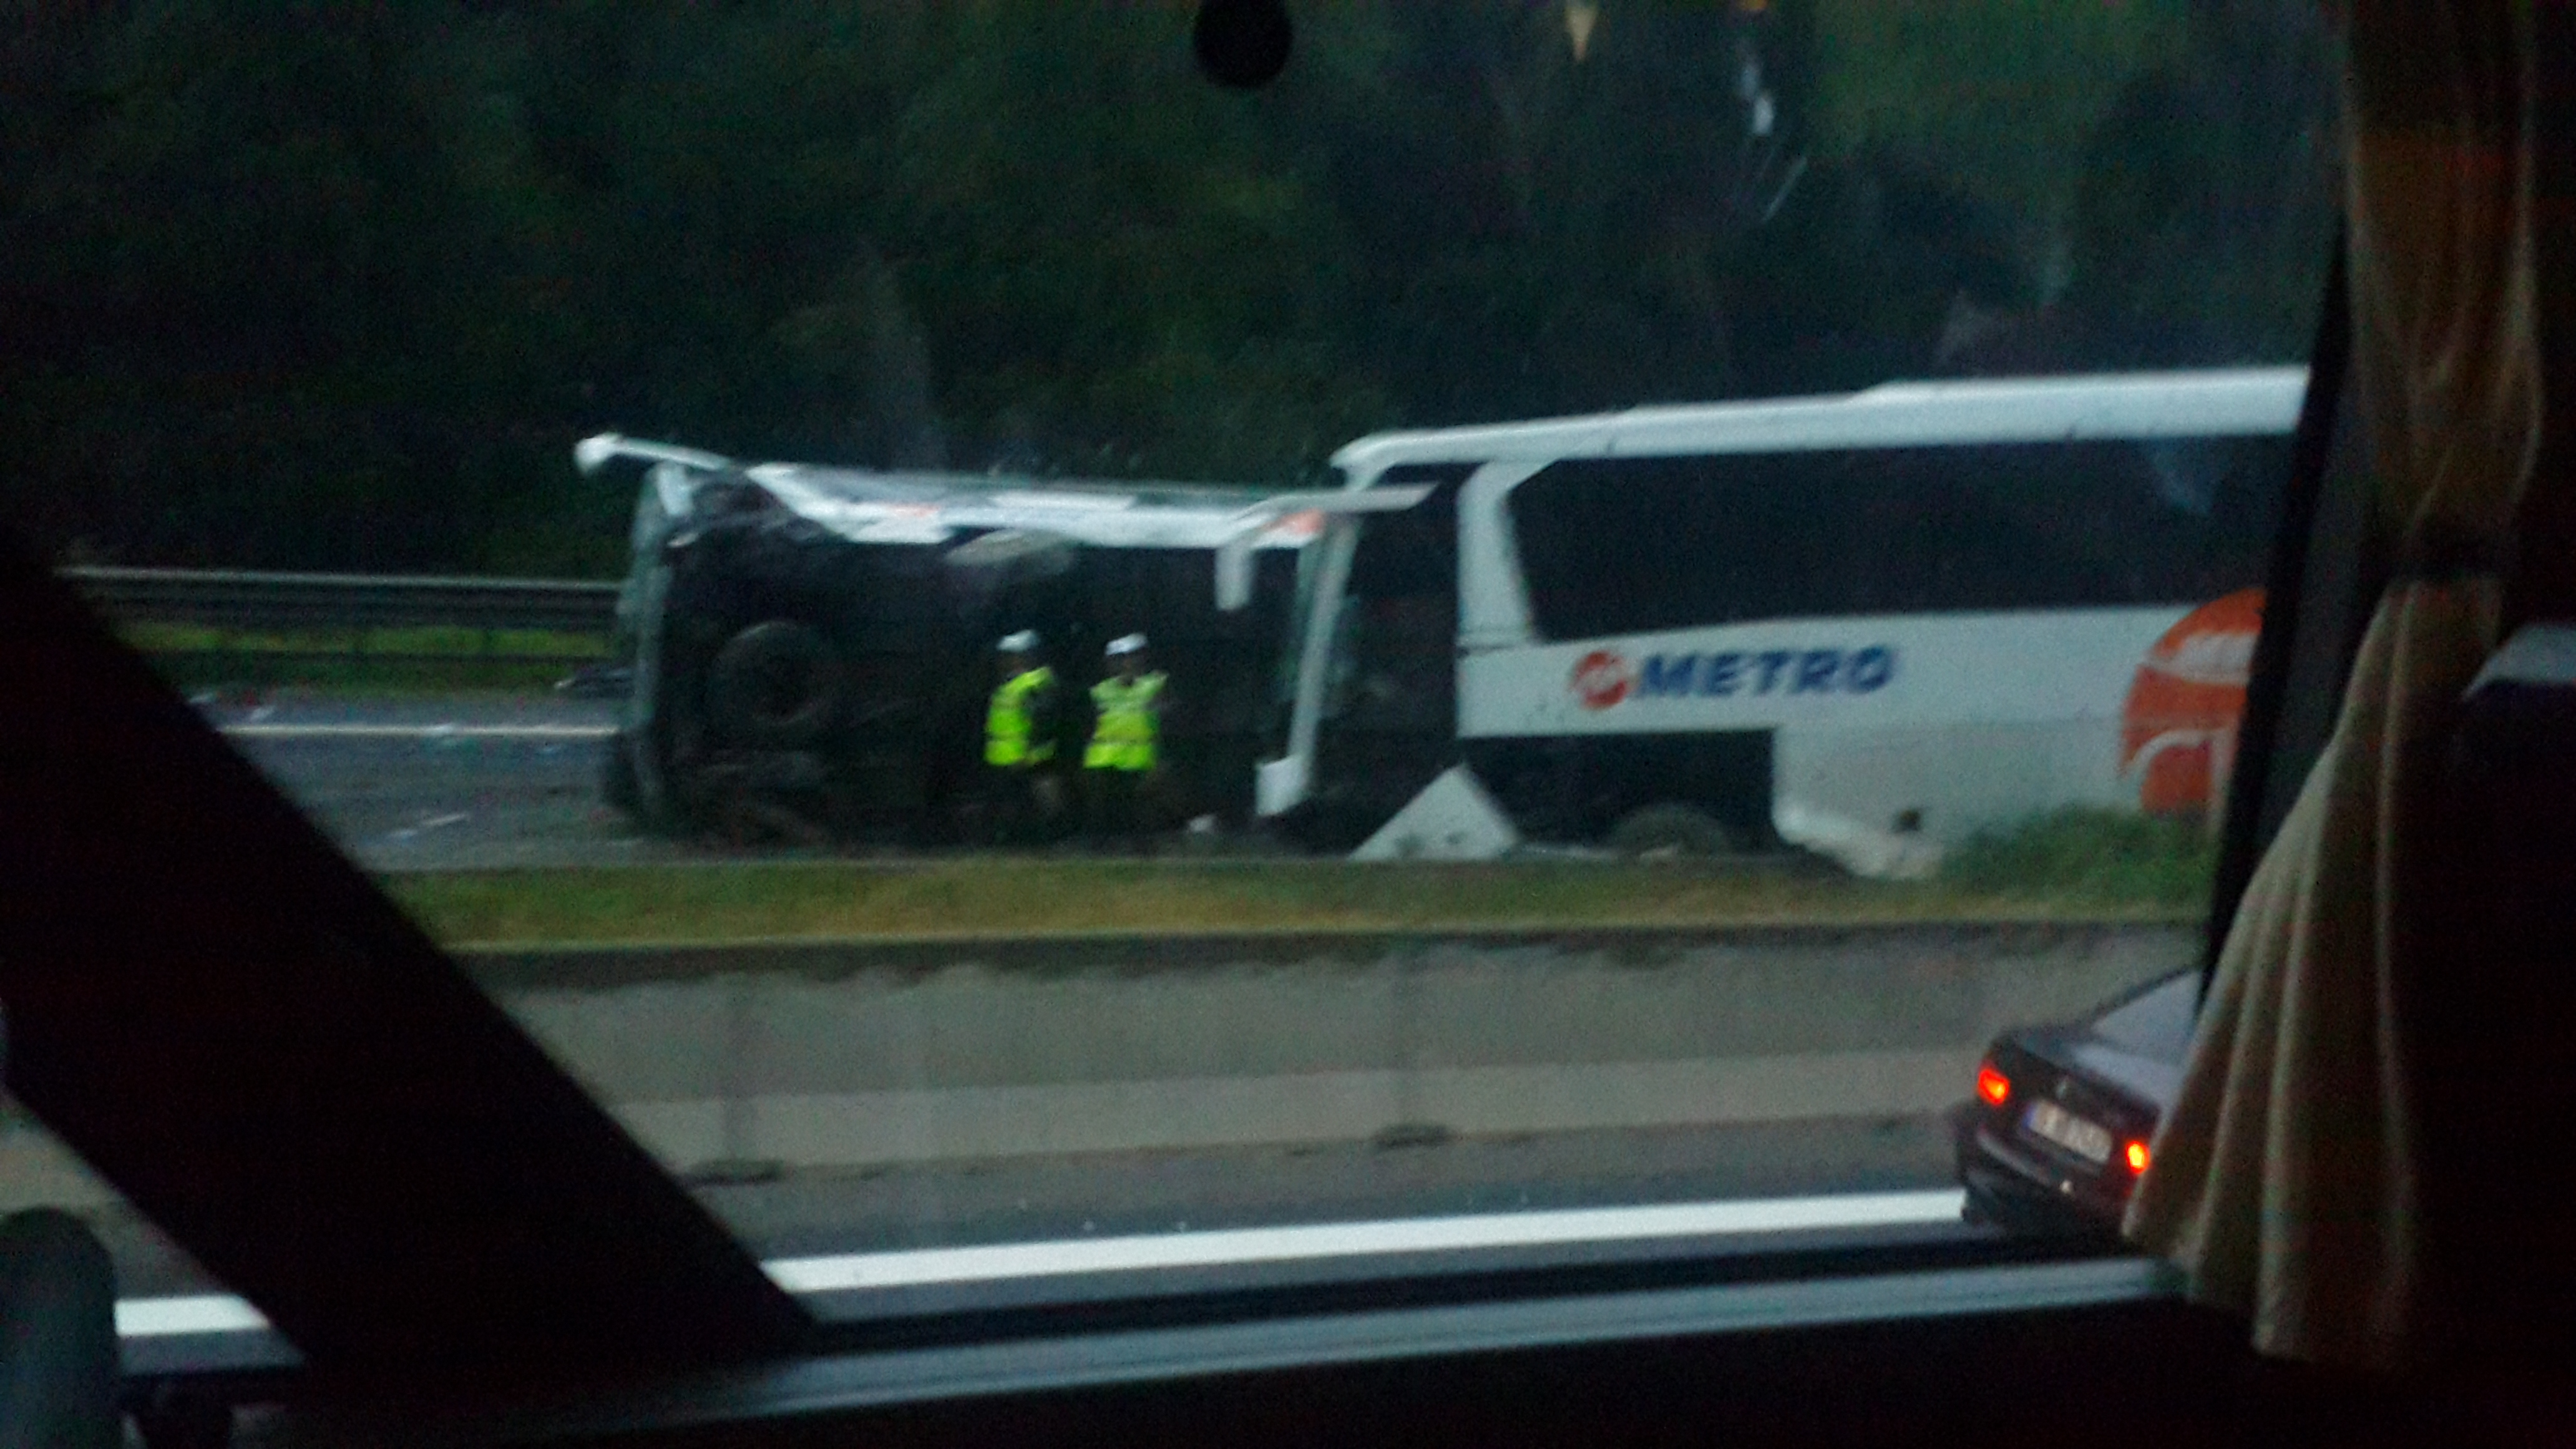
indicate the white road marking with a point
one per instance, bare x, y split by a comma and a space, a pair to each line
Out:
195, 1313
419, 731
919, 1266
223, 1313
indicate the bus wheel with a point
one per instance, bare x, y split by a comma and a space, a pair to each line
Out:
1671, 832
775, 686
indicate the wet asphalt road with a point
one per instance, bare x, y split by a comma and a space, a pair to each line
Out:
1108, 1194
462, 782
474, 782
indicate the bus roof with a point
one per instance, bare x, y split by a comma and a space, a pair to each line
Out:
928, 508
2215, 403
931, 508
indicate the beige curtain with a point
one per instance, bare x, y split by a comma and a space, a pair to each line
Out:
2286, 1180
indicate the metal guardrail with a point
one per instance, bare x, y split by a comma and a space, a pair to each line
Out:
260, 625
284, 602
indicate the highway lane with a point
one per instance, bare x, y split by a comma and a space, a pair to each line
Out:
463, 782
444, 783
1100, 1195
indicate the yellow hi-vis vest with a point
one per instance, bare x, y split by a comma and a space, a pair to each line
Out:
1123, 737
1007, 724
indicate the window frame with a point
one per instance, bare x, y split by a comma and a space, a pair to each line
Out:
1860, 510
618, 1271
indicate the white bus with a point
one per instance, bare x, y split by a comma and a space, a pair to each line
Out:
1869, 626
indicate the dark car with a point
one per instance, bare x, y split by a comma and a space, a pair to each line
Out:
2064, 1114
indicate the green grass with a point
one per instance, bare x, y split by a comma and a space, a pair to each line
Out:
1005, 897
2080, 856
427, 658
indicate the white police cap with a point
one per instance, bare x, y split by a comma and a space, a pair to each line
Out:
1126, 644
1023, 642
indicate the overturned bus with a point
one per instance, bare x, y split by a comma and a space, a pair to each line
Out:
809, 649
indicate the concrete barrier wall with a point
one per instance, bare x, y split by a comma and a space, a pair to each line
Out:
822, 1055
847, 1055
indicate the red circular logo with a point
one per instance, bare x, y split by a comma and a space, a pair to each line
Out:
2178, 728
1602, 678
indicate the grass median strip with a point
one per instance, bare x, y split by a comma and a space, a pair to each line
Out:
996, 897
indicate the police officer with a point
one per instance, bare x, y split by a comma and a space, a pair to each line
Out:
1126, 741
1019, 741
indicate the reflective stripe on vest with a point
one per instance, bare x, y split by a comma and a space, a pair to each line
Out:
1123, 739
1006, 721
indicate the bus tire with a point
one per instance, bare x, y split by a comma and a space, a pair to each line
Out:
1671, 831
776, 685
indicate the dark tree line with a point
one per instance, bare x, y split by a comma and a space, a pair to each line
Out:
322, 283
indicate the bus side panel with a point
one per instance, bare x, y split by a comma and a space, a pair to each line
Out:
1916, 671
1574, 790
1889, 802
1881, 739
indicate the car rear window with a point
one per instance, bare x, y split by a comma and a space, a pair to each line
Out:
2156, 1022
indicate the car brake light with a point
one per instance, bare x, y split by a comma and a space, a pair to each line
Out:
2137, 1156
1993, 1086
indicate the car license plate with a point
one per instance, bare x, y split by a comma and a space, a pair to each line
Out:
2088, 1140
